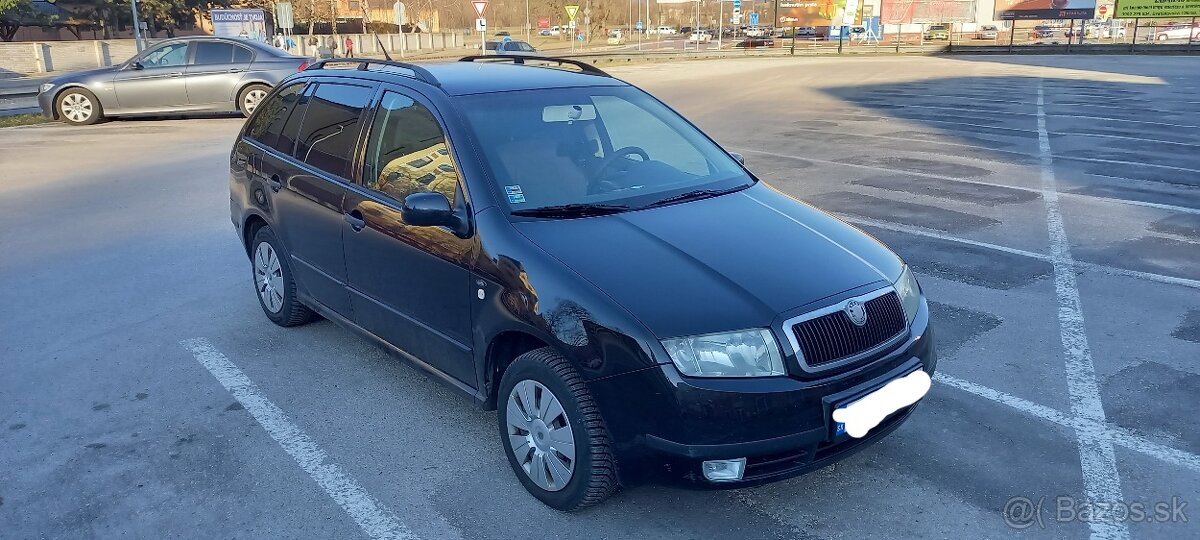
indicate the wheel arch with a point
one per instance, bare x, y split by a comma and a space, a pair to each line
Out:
250, 226
502, 349
58, 91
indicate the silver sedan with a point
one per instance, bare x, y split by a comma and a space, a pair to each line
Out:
185, 75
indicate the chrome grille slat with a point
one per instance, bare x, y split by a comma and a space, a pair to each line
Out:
831, 337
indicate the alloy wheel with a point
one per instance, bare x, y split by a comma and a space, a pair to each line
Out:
252, 98
76, 107
540, 435
268, 277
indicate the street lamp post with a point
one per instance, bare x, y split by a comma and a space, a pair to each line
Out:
137, 29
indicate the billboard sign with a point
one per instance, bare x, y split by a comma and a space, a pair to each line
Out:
927, 11
812, 12
240, 23
1149, 9
1009, 10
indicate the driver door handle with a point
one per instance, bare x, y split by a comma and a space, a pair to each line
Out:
175, 74
355, 220
235, 70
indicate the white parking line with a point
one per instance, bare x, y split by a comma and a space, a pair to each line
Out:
1120, 435
917, 231
374, 518
1101, 480
1114, 200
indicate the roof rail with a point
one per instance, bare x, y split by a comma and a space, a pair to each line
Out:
364, 64
520, 59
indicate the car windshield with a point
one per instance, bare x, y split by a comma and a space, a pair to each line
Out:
594, 146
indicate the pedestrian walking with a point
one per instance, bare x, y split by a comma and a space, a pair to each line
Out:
349, 47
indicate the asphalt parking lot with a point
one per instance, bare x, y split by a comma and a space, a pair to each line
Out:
1051, 206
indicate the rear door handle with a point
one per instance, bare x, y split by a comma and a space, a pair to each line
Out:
235, 70
175, 74
355, 220
276, 185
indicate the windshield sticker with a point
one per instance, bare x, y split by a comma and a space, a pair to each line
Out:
513, 190
515, 198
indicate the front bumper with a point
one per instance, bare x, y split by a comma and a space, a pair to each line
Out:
664, 425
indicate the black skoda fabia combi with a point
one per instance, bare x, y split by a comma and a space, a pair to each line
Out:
565, 249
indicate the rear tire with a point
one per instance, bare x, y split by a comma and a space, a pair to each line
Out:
274, 284
251, 96
79, 107
544, 378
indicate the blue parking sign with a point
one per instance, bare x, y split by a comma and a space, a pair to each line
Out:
639, 24
754, 19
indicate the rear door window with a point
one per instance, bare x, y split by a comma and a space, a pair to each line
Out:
331, 126
277, 119
213, 52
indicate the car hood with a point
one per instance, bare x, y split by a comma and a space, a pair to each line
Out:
724, 263
86, 75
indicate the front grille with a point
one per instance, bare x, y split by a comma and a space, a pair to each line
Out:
834, 337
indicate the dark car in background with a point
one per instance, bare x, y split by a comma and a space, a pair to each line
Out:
1042, 31
562, 247
512, 46
175, 76
754, 42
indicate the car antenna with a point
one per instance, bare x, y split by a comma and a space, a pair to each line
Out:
366, 9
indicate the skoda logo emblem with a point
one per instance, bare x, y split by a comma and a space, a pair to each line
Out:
857, 312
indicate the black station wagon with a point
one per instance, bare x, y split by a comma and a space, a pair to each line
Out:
564, 248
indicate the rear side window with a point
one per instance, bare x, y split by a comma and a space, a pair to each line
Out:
213, 52
241, 55
267, 125
331, 126
407, 152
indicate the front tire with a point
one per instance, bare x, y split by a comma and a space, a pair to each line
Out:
77, 106
552, 433
274, 283
251, 96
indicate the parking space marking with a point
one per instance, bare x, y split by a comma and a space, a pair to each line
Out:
1077, 116
1114, 200
918, 231
1102, 481
1120, 435
1057, 115
370, 515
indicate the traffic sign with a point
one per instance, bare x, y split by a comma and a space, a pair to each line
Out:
754, 19
737, 4
479, 6
1102, 10
480, 24
571, 11
638, 25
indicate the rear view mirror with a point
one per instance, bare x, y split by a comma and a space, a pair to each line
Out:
568, 113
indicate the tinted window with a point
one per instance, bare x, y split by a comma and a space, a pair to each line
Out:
407, 152
271, 116
174, 54
213, 52
241, 55
331, 126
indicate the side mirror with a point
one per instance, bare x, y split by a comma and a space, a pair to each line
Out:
427, 209
738, 157
137, 66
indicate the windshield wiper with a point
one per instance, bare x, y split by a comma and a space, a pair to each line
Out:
572, 210
695, 195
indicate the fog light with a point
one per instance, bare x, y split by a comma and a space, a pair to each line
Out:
724, 470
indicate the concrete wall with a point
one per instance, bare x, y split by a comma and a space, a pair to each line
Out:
17, 59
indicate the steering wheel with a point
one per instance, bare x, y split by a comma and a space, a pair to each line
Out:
608, 185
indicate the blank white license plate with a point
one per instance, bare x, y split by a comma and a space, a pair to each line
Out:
858, 417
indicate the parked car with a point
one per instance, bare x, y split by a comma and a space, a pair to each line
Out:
754, 43
755, 31
175, 76
1042, 31
987, 31
448, 212
1177, 31
938, 32
665, 30
509, 47
502, 33
700, 37
1109, 31
806, 31
616, 37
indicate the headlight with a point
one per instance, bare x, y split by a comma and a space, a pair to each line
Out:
748, 353
909, 292
45, 87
